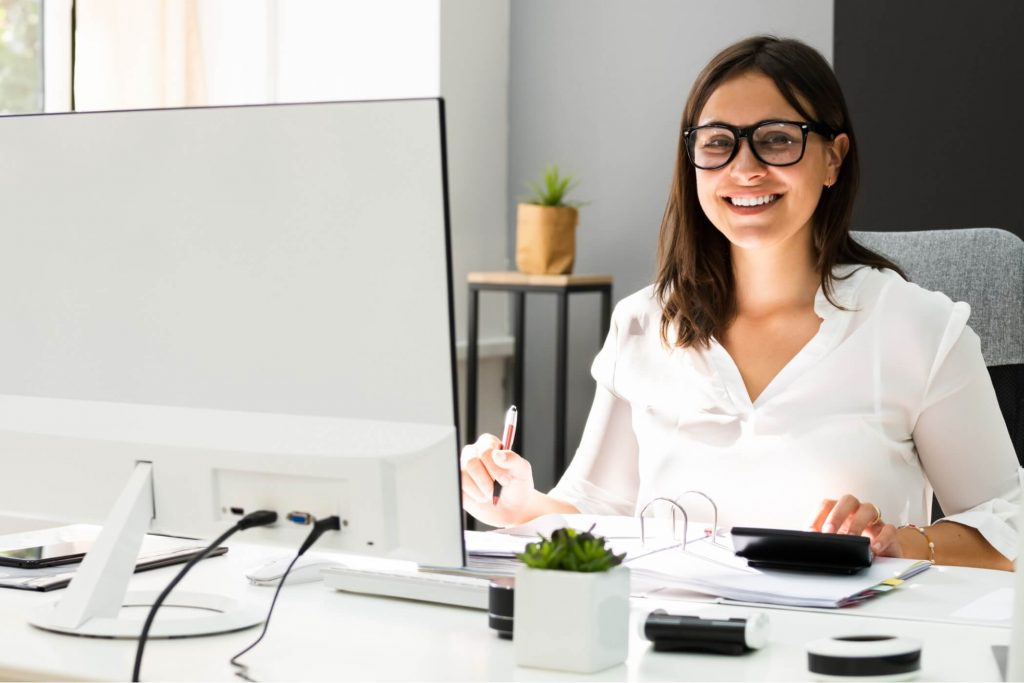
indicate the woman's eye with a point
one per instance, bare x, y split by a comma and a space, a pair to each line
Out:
718, 143
779, 139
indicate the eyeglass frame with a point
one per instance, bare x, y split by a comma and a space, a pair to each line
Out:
806, 127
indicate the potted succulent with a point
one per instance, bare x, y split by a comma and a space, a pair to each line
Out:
571, 604
546, 226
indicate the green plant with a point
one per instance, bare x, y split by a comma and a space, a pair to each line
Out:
552, 189
572, 551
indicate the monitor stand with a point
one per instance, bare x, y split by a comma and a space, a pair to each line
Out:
92, 602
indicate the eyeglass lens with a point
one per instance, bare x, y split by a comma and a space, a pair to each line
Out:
776, 144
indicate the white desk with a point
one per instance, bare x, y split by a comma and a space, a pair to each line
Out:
318, 634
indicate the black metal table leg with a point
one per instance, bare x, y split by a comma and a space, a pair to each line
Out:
519, 333
606, 311
472, 358
561, 368
520, 286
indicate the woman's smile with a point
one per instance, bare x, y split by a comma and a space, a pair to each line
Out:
750, 204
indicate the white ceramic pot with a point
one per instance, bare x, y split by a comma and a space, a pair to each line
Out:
571, 621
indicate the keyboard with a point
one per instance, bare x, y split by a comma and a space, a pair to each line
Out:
410, 584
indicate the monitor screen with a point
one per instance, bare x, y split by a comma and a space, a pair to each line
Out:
259, 258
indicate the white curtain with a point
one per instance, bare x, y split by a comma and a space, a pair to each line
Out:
134, 54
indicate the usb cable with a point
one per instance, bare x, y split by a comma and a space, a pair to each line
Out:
258, 518
319, 527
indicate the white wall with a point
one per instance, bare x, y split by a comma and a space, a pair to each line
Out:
474, 83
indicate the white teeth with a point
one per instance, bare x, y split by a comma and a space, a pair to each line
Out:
753, 201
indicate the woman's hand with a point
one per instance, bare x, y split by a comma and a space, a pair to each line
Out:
848, 515
484, 462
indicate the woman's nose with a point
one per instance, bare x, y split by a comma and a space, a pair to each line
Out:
745, 166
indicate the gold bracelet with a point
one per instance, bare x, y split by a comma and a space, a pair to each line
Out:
927, 539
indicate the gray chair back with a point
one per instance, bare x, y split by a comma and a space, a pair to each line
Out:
985, 268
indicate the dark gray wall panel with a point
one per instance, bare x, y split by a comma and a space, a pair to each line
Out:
934, 89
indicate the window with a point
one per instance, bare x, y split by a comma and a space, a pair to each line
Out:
21, 56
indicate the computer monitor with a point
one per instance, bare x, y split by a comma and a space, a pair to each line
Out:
255, 302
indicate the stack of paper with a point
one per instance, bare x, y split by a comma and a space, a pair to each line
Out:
714, 570
705, 567
495, 551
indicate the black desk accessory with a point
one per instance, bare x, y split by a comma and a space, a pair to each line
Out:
865, 657
500, 605
684, 633
808, 551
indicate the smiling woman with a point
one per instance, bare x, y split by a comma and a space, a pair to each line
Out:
776, 365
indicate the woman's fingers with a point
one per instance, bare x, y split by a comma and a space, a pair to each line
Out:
484, 443
507, 466
885, 541
848, 515
865, 516
482, 465
844, 507
822, 514
476, 481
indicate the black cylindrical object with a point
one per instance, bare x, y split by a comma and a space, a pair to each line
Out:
673, 632
864, 657
500, 606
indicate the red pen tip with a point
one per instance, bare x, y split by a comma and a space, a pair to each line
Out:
494, 500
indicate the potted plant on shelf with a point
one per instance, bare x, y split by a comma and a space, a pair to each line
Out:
546, 226
571, 604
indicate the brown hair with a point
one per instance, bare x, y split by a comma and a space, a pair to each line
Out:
695, 279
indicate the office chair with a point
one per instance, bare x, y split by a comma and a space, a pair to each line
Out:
985, 268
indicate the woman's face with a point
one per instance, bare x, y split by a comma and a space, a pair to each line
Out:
790, 193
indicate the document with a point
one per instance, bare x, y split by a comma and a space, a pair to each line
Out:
498, 550
713, 569
708, 566
609, 526
495, 551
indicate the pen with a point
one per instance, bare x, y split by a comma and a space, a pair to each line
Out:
507, 436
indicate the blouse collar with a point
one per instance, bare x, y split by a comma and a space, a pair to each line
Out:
846, 281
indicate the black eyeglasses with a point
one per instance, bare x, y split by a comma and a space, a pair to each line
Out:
775, 143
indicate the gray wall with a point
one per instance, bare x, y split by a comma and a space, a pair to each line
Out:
599, 88
933, 88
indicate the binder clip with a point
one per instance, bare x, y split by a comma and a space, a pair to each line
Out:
681, 633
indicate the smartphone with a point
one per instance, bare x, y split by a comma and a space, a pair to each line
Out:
49, 555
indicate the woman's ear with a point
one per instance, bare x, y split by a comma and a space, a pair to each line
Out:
836, 152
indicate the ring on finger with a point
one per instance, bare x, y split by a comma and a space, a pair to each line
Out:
878, 515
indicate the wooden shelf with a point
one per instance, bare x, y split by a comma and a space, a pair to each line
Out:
516, 278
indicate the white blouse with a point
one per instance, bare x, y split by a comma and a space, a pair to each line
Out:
888, 400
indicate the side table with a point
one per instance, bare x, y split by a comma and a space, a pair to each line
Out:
521, 284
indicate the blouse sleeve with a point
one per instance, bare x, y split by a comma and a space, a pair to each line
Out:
603, 476
963, 442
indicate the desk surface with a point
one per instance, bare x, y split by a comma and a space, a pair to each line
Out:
320, 634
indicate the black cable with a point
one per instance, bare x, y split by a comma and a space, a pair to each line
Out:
258, 518
319, 527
